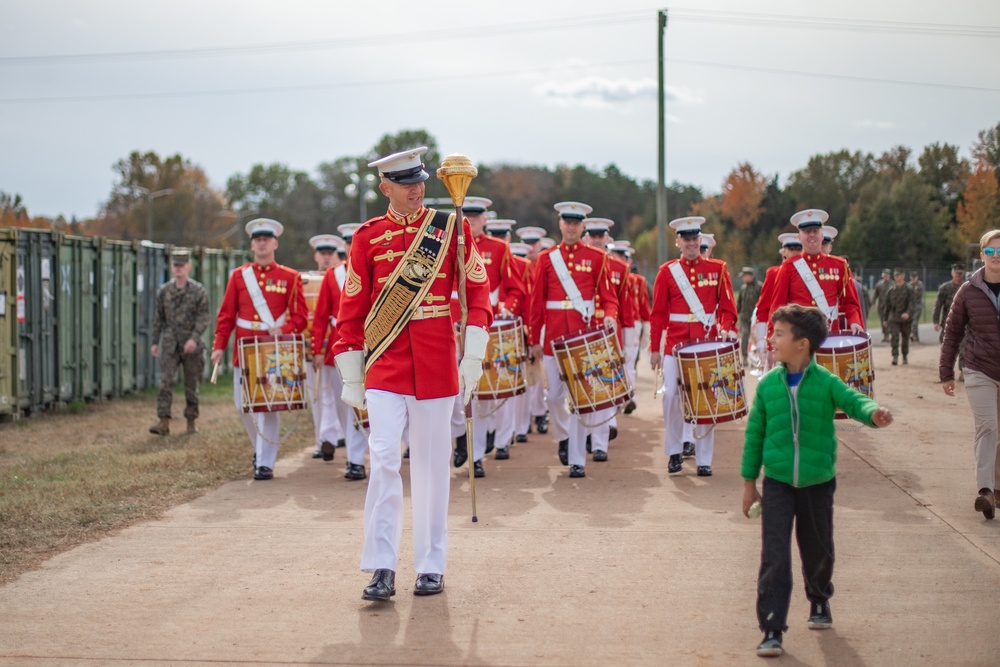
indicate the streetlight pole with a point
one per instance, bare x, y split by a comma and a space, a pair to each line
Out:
150, 196
362, 187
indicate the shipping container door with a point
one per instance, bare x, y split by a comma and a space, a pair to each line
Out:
8, 322
35, 284
152, 271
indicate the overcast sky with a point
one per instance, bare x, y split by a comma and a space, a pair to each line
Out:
771, 82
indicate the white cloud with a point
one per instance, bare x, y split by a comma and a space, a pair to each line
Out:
880, 124
597, 91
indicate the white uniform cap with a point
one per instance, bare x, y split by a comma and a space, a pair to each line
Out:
520, 249
325, 242
547, 242
404, 167
476, 205
707, 241
617, 246
623, 242
264, 227
531, 234
789, 239
347, 230
811, 217
500, 227
598, 224
573, 211
829, 233
689, 226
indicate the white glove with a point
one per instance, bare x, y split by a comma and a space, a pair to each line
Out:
352, 369
611, 323
471, 368
729, 335
631, 338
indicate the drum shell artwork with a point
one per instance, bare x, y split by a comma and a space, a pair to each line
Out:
311, 283
503, 366
274, 372
361, 418
590, 363
711, 381
849, 357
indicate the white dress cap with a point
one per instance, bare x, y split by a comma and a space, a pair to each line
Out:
811, 217
476, 204
689, 226
619, 247
531, 234
520, 249
598, 224
829, 233
547, 242
325, 242
264, 227
404, 167
347, 230
573, 210
707, 241
790, 239
499, 227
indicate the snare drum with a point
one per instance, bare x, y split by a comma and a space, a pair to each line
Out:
590, 363
311, 283
711, 381
503, 366
848, 356
361, 418
274, 372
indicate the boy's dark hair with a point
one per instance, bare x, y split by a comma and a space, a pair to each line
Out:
805, 322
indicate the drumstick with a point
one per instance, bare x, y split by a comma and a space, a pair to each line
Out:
215, 372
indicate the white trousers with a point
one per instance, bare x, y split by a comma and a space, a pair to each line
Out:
601, 432
522, 413
673, 420
430, 481
354, 435
483, 419
262, 427
536, 397
326, 421
631, 353
563, 424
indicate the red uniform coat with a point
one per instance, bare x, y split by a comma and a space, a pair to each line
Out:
834, 278
324, 329
711, 283
641, 289
618, 274
588, 267
766, 294
282, 290
508, 287
421, 360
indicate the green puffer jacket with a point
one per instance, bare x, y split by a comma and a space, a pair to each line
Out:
799, 447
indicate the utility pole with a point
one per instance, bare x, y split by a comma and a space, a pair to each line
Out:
150, 196
662, 251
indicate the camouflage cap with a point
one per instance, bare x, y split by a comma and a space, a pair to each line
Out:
180, 257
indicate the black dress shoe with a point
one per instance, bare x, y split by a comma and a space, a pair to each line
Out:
612, 433
406, 454
477, 469
355, 471
704, 471
688, 449
341, 443
521, 437
600, 455
381, 587
630, 407
542, 424
263, 472
577, 471
589, 445
564, 452
428, 584
490, 437
327, 449
461, 453
503, 453
675, 463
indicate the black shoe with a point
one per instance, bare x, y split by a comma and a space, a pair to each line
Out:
564, 452
502, 454
675, 463
406, 454
381, 587
429, 584
327, 449
895, 362
612, 433
263, 472
542, 424
819, 616
355, 471
688, 449
600, 455
577, 471
630, 407
461, 453
771, 646
341, 443
589, 447
521, 437
704, 471
317, 454
478, 469
490, 438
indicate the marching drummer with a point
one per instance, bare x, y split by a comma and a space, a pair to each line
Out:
569, 278
621, 251
791, 246
707, 245
262, 298
522, 402
817, 279
326, 421
692, 299
537, 240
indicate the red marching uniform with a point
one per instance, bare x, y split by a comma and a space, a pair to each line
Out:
324, 330
834, 279
766, 294
711, 282
507, 289
618, 274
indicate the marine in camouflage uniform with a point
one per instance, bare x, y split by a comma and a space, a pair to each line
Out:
939, 316
918, 290
181, 319
878, 300
746, 301
900, 305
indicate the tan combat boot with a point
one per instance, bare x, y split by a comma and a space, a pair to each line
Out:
162, 427
191, 427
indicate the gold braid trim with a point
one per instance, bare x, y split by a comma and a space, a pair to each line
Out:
352, 286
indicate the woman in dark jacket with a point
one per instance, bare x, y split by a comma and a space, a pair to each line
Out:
975, 314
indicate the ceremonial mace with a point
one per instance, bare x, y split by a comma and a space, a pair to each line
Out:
456, 172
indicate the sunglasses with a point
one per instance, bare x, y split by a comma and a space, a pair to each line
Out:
989, 252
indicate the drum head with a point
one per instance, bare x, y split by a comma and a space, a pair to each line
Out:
701, 348
845, 342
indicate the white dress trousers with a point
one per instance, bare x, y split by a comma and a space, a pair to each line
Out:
326, 421
355, 437
563, 424
430, 481
673, 420
263, 428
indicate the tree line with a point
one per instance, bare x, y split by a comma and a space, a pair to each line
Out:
891, 209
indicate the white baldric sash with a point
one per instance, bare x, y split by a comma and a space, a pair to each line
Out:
340, 273
257, 297
815, 290
693, 302
585, 308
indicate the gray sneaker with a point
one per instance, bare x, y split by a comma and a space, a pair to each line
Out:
819, 617
771, 646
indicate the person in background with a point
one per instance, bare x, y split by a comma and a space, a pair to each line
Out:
881, 287
918, 291
942, 305
746, 301
900, 305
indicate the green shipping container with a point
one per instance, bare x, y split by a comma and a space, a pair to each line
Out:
35, 283
8, 322
78, 302
117, 323
152, 270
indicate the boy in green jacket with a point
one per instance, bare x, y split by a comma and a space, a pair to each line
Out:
791, 434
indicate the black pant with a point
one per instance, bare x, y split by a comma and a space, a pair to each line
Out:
811, 509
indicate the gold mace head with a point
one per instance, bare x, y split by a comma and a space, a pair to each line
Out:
456, 172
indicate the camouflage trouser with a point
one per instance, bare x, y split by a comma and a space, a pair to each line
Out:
193, 365
745, 339
915, 329
897, 330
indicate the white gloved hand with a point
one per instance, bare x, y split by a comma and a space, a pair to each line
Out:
352, 370
631, 338
729, 335
471, 368
611, 323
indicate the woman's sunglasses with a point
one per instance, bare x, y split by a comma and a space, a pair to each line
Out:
989, 252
